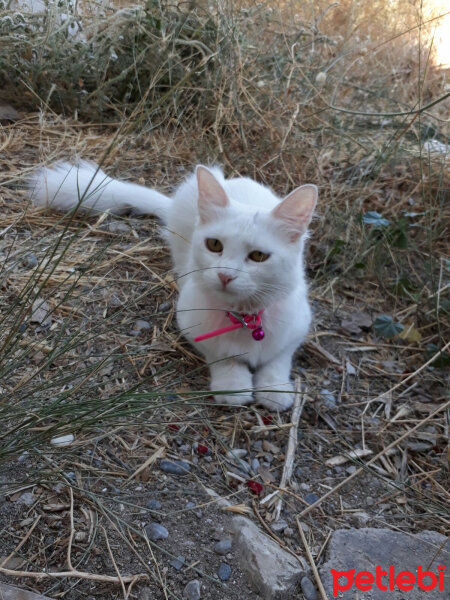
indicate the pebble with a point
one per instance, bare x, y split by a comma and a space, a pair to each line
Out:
224, 572
311, 498
177, 562
117, 227
26, 498
192, 590
140, 326
351, 469
153, 504
23, 457
156, 531
328, 398
175, 467
62, 440
370, 501
236, 453
308, 589
165, 306
279, 525
223, 546
31, 261
298, 472
255, 465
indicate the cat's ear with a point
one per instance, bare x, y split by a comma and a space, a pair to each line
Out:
296, 210
211, 195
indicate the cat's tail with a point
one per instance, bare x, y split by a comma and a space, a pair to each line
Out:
85, 186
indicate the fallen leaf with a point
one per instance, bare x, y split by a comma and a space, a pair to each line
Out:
356, 322
41, 312
240, 509
410, 334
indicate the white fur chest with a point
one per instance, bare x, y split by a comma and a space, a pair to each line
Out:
285, 325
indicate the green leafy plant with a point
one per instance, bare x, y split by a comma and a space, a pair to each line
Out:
385, 326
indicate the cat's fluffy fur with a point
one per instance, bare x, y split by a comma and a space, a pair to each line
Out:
245, 216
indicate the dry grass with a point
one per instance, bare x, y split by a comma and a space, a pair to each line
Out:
333, 95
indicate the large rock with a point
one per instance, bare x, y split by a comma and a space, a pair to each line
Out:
9, 592
365, 549
272, 572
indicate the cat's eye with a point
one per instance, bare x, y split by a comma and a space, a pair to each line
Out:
214, 245
258, 256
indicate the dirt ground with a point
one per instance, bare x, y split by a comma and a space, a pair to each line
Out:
137, 399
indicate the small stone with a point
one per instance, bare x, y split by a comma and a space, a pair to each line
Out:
117, 227
351, 469
153, 504
190, 505
165, 306
321, 78
279, 525
370, 501
192, 590
272, 572
9, 592
177, 562
311, 498
298, 472
236, 453
139, 327
156, 531
175, 467
23, 457
328, 398
26, 498
257, 446
224, 572
288, 532
30, 261
360, 518
62, 440
223, 546
255, 465
308, 589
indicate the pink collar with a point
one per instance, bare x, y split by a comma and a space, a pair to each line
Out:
252, 322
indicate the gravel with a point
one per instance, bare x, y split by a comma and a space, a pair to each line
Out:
156, 531
224, 572
223, 546
174, 467
192, 590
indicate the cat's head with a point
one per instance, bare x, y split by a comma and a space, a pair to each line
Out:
249, 255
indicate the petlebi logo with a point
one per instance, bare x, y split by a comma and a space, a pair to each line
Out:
388, 580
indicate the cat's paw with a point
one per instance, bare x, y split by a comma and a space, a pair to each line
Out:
275, 401
235, 380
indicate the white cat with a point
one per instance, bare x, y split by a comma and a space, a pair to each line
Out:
237, 251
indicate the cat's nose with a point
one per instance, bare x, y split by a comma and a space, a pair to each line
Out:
225, 279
